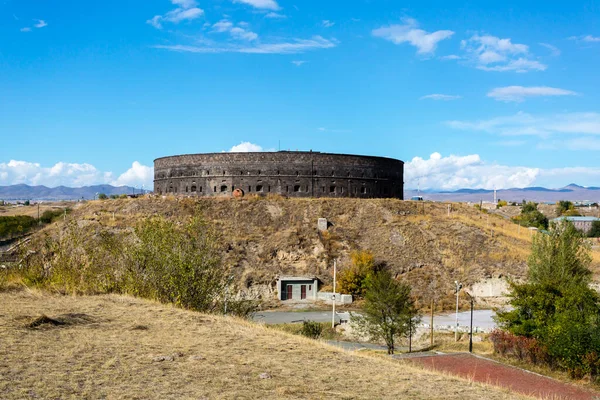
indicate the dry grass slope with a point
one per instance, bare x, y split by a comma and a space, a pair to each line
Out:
114, 347
263, 237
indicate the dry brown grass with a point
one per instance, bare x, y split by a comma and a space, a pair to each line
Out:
111, 352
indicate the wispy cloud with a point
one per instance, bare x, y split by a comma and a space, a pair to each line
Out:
450, 57
260, 4
521, 124
586, 38
298, 63
274, 15
327, 23
554, 51
520, 93
490, 53
437, 96
322, 129
186, 11
39, 24
294, 46
425, 42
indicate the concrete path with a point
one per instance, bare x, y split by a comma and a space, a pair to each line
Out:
491, 372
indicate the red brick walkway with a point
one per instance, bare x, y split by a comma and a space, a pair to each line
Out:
481, 369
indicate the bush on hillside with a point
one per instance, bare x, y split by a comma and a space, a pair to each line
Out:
15, 226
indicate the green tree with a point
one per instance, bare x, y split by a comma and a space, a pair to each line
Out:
389, 312
595, 230
567, 208
531, 217
102, 196
556, 305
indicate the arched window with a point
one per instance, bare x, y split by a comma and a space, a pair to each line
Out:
223, 188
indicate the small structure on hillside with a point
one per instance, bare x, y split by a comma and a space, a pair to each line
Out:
583, 224
297, 288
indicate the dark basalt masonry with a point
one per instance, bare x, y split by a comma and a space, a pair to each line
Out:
289, 173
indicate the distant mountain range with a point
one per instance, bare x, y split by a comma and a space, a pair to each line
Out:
571, 192
26, 192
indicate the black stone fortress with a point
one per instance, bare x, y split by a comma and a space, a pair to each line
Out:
288, 173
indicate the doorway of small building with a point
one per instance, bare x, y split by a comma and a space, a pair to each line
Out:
302, 292
288, 294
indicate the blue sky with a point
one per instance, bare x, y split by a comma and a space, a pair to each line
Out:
469, 94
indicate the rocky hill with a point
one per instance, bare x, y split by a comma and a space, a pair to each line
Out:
428, 244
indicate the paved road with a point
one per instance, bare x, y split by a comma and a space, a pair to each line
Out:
481, 318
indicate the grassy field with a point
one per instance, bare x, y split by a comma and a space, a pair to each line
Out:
113, 347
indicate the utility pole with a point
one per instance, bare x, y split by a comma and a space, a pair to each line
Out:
458, 287
334, 295
432, 307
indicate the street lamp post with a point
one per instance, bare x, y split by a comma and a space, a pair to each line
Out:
458, 286
471, 328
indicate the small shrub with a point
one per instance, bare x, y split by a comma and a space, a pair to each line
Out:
311, 329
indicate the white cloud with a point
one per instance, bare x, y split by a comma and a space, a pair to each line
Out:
554, 51
437, 96
425, 42
298, 63
246, 147
490, 53
519, 93
40, 23
294, 46
590, 38
582, 123
185, 3
235, 32
136, 176
261, 4
275, 15
456, 172
327, 23
26, 29
222, 26
186, 11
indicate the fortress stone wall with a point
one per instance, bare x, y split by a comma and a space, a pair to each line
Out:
289, 173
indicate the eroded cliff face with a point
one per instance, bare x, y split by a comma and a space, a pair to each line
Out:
426, 244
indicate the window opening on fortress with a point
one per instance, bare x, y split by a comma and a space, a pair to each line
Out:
331, 189
363, 190
215, 189
269, 188
297, 173
193, 189
200, 189
323, 189
207, 172
259, 188
259, 172
296, 188
186, 189
332, 173
223, 188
